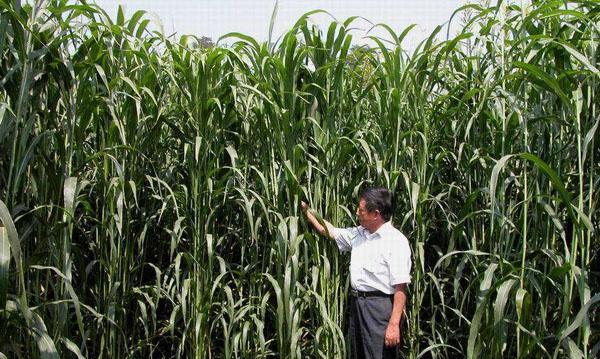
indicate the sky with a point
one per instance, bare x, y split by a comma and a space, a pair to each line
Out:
215, 18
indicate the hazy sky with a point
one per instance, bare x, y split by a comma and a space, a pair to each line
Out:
215, 18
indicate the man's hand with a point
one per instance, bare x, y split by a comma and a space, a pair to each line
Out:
304, 206
392, 335
310, 216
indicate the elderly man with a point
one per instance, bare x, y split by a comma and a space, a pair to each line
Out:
379, 272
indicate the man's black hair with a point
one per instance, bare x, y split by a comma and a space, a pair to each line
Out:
378, 198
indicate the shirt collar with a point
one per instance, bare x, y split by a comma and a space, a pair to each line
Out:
383, 228
380, 231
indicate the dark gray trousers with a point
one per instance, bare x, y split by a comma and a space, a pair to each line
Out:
368, 321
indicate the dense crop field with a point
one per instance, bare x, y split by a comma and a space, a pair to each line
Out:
150, 187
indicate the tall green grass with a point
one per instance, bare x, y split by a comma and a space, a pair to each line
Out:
150, 187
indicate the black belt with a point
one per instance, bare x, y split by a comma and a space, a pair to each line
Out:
374, 293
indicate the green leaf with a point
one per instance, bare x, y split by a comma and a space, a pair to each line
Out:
11, 231
4, 265
45, 344
580, 318
473, 344
579, 56
543, 78
72, 347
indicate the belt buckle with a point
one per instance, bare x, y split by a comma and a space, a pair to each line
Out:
357, 294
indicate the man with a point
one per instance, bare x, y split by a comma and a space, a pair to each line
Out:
379, 273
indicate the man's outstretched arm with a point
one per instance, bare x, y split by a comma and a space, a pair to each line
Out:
325, 230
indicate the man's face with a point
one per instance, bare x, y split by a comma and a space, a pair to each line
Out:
365, 218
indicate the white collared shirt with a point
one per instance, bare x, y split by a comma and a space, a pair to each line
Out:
379, 260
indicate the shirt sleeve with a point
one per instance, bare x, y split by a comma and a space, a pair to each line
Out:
398, 260
344, 237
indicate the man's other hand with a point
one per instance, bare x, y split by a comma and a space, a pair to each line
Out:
392, 335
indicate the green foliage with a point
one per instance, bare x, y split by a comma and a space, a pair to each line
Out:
150, 188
